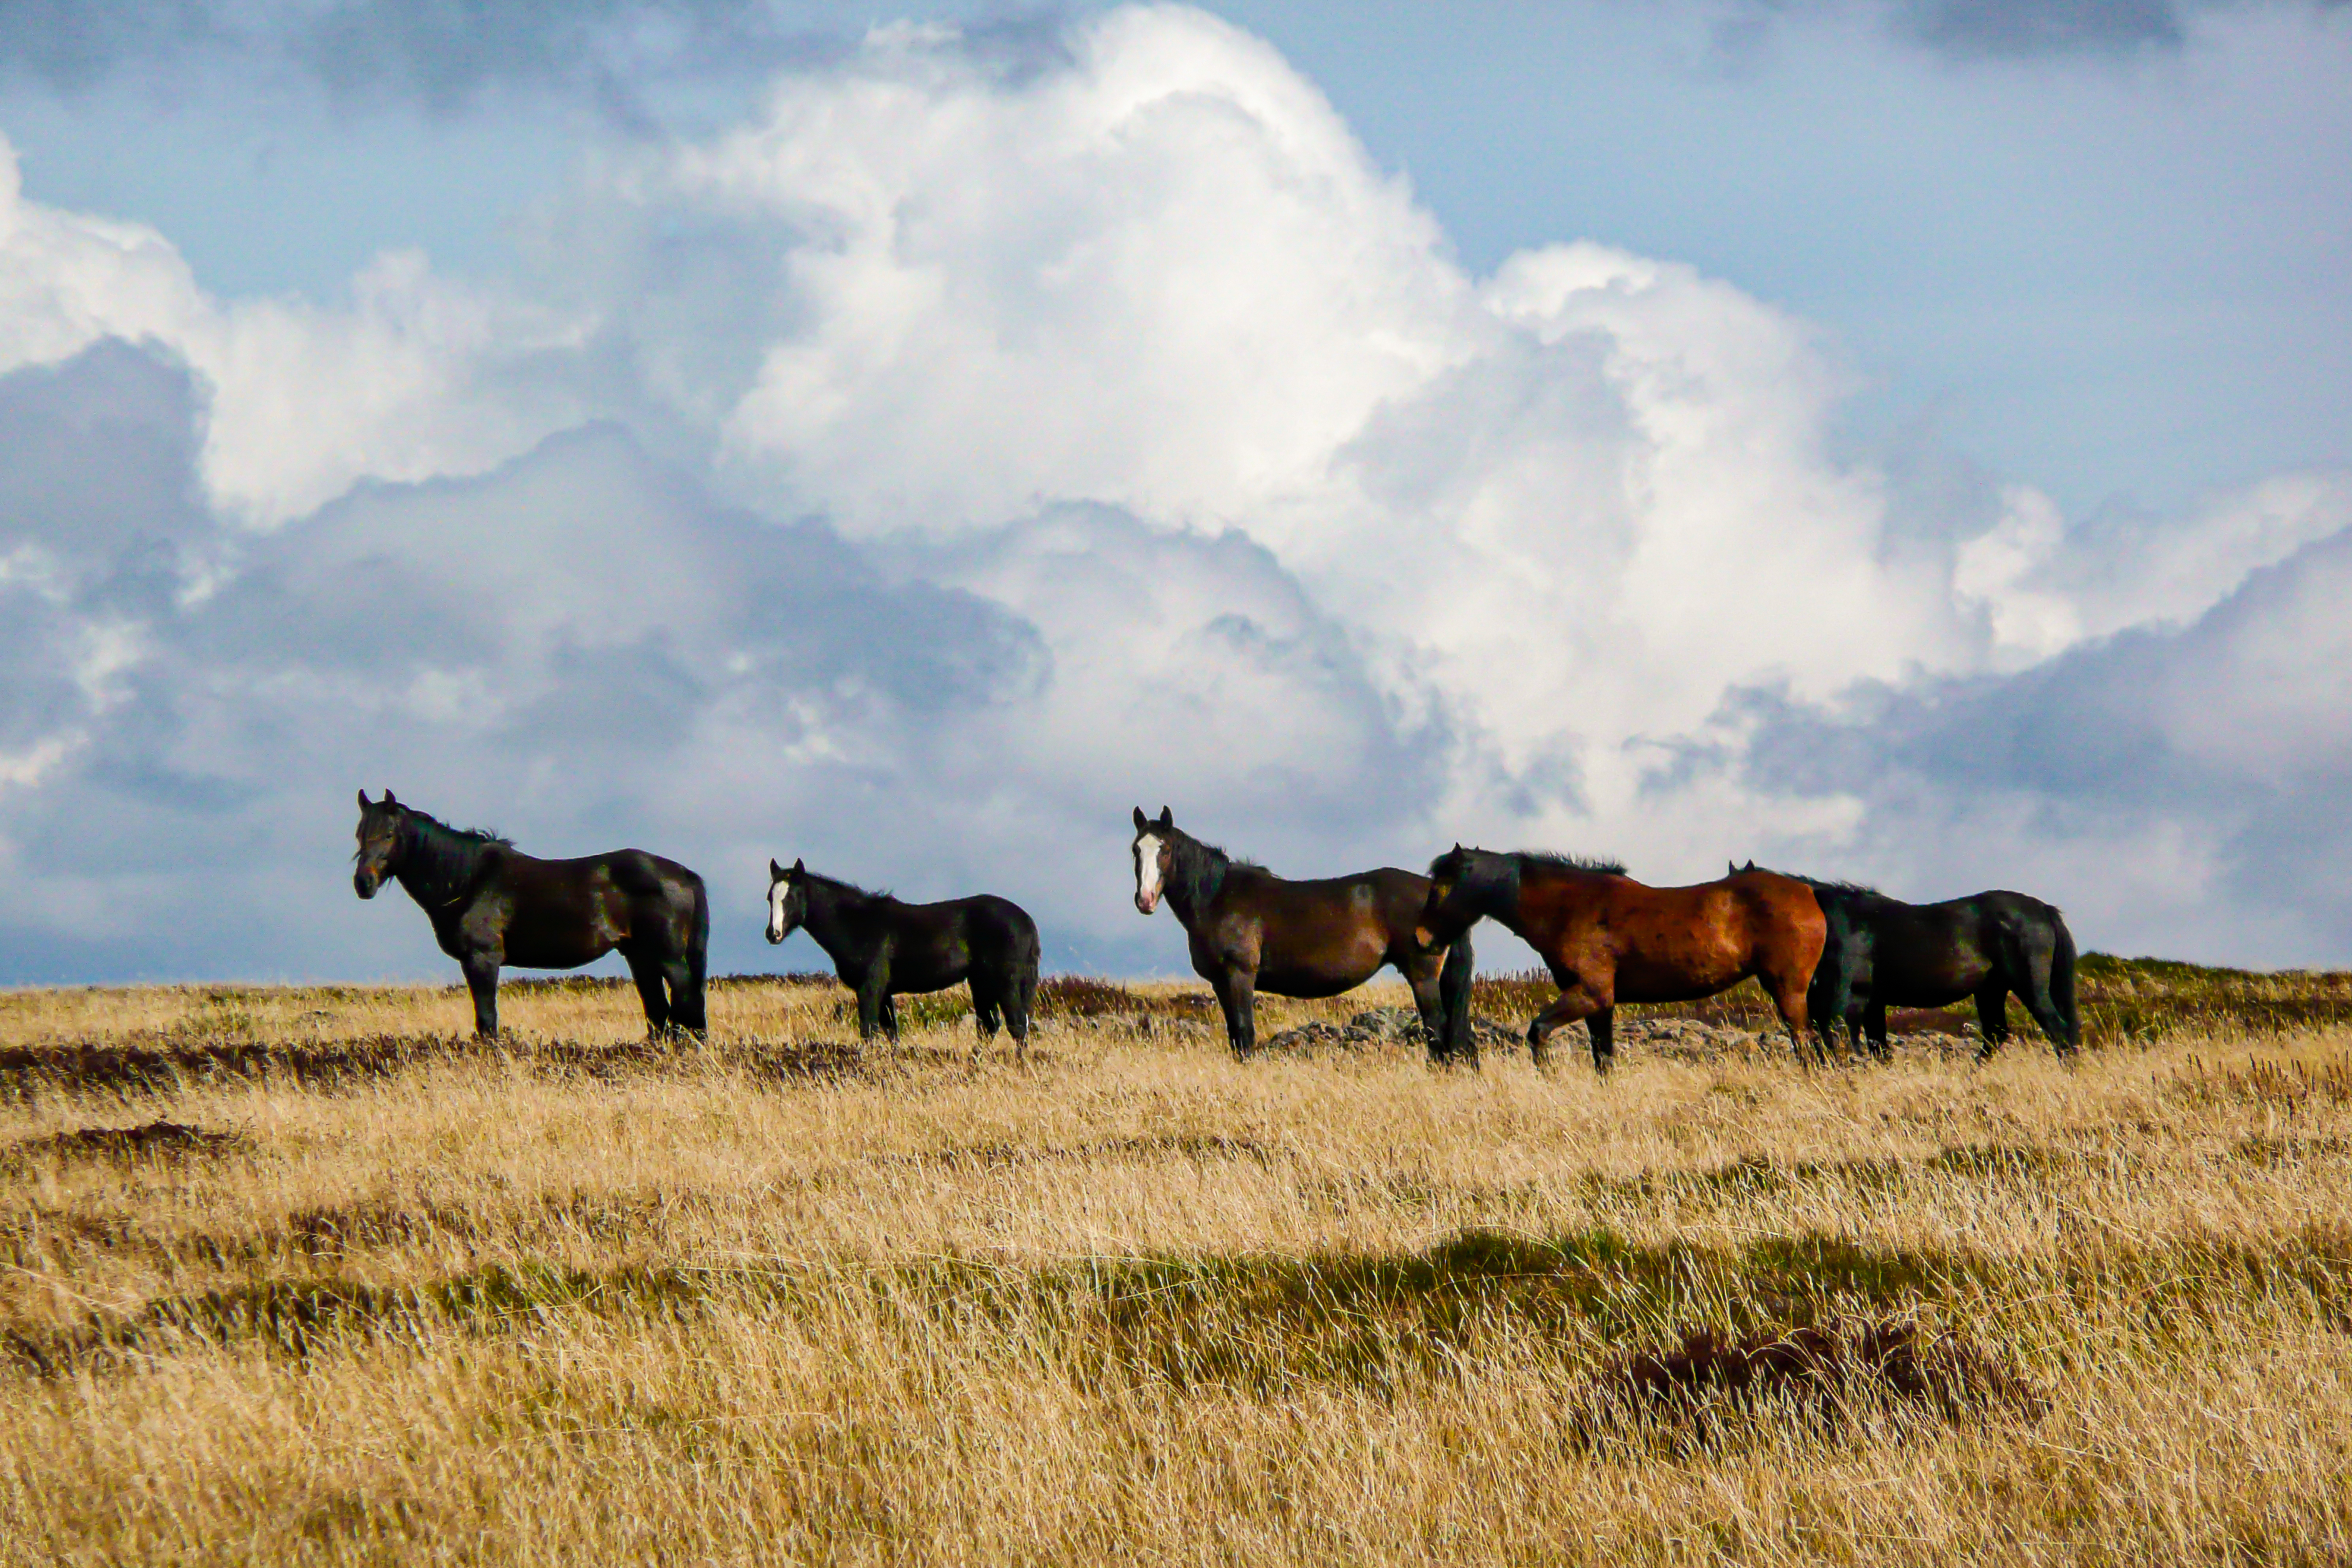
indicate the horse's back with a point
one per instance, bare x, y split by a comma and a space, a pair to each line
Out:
1387, 895
999, 920
1314, 936
1784, 916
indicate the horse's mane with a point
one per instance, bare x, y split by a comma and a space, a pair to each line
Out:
1829, 885
1198, 869
1606, 866
442, 860
478, 835
876, 895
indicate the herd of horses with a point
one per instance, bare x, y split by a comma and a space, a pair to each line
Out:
1827, 954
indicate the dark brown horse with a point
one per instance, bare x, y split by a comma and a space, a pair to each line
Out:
1608, 939
882, 947
1252, 931
492, 905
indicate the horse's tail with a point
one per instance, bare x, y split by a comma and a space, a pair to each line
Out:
698, 946
1033, 958
1453, 995
2062, 978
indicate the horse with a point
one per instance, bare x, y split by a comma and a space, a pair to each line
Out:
1884, 952
1251, 930
492, 905
1609, 939
882, 948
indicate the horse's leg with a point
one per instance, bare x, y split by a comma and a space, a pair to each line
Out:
1237, 995
1873, 1020
1828, 999
646, 971
685, 997
1018, 996
1423, 978
1992, 1019
1454, 987
1602, 1027
1789, 1001
984, 1007
2044, 1008
1576, 1000
890, 1015
873, 989
482, 980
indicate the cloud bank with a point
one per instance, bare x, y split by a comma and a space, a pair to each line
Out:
974, 443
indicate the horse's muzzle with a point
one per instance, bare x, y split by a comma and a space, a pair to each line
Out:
775, 936
1146, 902
366, 882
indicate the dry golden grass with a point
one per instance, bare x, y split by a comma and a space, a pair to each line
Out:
398, 1296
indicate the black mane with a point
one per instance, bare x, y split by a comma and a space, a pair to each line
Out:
1601, 865
1829, 885
1196, 869
439, 861
871, 895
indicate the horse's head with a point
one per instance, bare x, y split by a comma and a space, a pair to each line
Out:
379, 835
1445, 914
787, 898
1154, 849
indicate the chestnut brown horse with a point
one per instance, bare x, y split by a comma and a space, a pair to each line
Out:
1608, 939
1251, 930
492, 905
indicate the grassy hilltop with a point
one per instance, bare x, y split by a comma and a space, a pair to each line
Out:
302, 1275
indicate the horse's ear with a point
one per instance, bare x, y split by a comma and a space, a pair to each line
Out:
1457, 846
775, 872
387, 798
364, 800
800, 868
1141, 822
1167, 817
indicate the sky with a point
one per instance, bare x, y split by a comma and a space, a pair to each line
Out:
1905, 440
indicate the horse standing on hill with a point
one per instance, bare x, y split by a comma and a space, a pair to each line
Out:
1881, 952
492, 905
1251, 930
882, 947
1608, 939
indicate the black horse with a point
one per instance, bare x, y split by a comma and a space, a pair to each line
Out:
491, 905
1251, 930
882, 947
1884, 952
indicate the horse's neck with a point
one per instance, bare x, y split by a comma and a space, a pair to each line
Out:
1499, 898
437, 877
1196, 874
835, 919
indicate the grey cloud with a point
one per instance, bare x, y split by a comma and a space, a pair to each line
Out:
101, 453
2235, 730
2024, 28
74, 43
96, 511
587, 648
558, 645
445, 54
1983, 30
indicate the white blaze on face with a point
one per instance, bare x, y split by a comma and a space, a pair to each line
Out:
1147, 872
776, 891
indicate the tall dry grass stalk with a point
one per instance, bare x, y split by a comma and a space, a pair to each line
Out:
376, 1294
